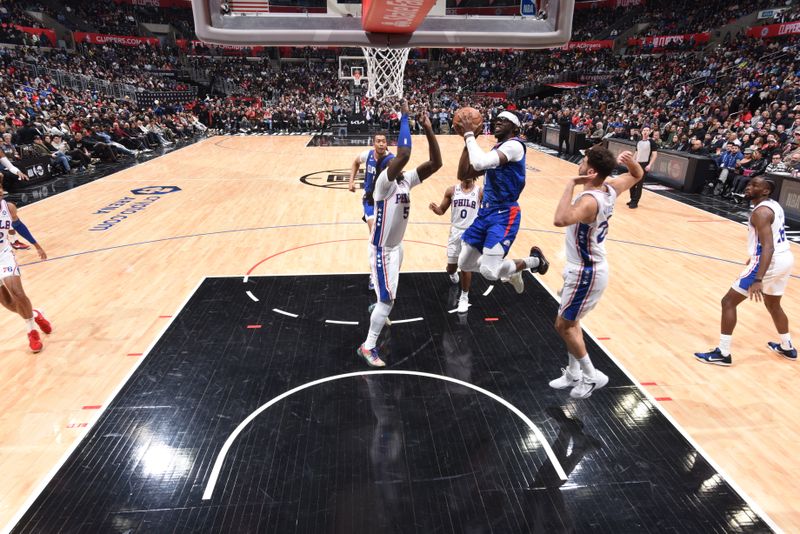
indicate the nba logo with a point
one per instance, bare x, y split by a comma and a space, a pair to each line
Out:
527, 8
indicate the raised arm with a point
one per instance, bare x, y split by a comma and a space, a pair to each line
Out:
584, 210
399, 162
626, 181
465, 170
434, 162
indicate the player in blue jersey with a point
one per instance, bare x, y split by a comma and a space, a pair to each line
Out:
487, 241
375, 160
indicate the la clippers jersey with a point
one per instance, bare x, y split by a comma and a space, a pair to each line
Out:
504, 184
392, 208
778, 230
5, 226
368, 157
585, 241
464, 207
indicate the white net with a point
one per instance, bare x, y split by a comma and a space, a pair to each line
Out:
385, 68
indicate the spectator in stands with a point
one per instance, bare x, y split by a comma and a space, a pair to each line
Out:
696, 148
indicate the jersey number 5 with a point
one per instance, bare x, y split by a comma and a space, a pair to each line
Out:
405, 212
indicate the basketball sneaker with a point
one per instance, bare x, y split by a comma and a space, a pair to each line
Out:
587, 385
43, 324
790, 354
517, 282
566, 380
454, 278
463, 303
34, 342
544, 265
371, 356
19, 245
714, 357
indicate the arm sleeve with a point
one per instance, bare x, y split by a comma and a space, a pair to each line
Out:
8, 165
479, 159
513, 150
22, 230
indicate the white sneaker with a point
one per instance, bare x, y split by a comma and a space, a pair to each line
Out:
454, 278
566, 380
463, 303
517, 281
587, 385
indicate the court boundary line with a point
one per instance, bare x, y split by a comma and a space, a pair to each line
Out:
222, 454
48, 478
755, 507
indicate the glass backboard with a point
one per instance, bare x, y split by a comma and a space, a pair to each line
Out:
450, 24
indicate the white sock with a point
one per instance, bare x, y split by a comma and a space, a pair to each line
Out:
586, 366
725, 344
786, 341
464, 295
574, 366
31, 324
507, 269
531, 262
376, 322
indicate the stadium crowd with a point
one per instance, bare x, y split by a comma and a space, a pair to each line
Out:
737, 103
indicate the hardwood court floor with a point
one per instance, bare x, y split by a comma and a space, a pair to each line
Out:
241, 207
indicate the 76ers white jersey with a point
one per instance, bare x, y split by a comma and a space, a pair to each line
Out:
464, 207
392, 208
778, 231
585, 241
5, 226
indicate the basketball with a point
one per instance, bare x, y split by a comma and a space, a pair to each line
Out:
470, 119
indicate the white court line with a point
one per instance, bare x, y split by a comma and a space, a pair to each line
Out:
415, 319
212, 480
745, 497
456, 309
293, 315
246, 277
331, 321
249, 294
488, 290
49, 477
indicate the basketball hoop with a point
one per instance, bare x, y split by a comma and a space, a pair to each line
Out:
385, 67
357, 78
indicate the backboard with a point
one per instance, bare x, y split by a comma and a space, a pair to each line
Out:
450, 24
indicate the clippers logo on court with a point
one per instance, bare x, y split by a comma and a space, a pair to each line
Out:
128, 206
335, 179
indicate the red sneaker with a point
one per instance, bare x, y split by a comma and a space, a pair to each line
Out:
19, 245
34, 342
41, 322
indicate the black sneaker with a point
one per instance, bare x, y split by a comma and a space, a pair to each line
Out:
790, 354
544, 265
714, 357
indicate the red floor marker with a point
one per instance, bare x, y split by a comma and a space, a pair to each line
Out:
165, 317
77, 425
254, 326
649, 384
491, 319
134, 354
93, 407
603, 338
663, 398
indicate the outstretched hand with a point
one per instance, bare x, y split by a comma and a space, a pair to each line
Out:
404, 107
625, 158
425, 121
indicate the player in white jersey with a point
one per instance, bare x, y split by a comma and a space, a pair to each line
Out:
12, 294
392, 208
586, 217
463, 199
765, 276
375, 160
